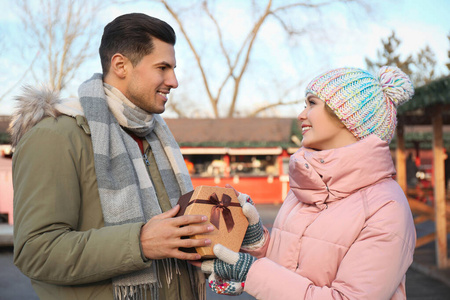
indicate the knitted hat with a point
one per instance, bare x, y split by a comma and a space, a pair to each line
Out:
365, 104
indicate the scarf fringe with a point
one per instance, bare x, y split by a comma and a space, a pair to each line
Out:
136, 292
198, 277
168, 265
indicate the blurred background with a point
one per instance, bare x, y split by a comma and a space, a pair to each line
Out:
242, 67
234, 58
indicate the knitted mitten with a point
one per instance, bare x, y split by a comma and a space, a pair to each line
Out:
225, 287
254, 236
229, 264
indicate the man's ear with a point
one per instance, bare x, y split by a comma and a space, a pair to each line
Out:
119, 65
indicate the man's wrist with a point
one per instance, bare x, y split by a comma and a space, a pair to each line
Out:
144, 259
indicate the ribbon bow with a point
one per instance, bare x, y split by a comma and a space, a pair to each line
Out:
221, 207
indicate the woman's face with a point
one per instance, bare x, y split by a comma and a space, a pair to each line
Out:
320, 130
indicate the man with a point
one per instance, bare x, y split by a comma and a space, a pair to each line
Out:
97, 179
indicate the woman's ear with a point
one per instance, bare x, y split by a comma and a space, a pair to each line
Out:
119, 65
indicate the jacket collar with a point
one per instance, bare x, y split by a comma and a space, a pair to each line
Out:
321, 177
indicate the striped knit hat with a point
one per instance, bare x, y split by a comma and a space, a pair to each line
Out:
365, 104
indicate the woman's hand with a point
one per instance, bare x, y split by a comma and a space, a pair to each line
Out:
254, 236
229, 264
228, 271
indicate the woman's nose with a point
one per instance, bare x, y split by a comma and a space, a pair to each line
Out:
302, 115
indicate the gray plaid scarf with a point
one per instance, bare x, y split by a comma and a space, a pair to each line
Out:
123, 181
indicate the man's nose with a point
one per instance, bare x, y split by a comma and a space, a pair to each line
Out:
172, 81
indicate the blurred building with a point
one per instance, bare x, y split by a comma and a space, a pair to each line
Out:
252, 154
4, 124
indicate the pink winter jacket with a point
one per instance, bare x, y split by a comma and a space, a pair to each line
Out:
344, 231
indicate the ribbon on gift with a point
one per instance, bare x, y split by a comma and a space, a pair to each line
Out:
220, 207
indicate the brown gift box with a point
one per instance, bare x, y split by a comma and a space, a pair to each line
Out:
223, 210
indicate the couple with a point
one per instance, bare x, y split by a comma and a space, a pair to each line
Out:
97, 178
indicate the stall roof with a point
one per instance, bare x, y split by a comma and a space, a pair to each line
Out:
235, 132
419, 109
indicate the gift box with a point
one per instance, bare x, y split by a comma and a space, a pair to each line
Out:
224, 212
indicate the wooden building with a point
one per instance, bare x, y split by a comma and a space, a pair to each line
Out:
251, 154
429, 106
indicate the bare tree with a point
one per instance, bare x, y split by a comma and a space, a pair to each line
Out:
421, 67
238, 58
388, 55
280, 101
4, 35
2, 46
425, 67
61, 31
448, 54
20, 79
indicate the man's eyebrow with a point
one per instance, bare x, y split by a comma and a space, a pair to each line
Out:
165, 63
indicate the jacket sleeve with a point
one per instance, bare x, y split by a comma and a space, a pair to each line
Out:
47, 204
373, 267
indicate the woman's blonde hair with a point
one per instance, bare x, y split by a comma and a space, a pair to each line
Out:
332, 114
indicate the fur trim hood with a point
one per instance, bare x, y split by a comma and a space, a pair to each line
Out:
33, 105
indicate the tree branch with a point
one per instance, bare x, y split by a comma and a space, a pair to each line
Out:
197, 57
58, 38
272, 105
253, 35
20, 79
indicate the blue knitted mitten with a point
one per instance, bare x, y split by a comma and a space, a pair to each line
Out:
254, 236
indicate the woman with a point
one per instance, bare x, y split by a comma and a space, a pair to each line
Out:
345, 229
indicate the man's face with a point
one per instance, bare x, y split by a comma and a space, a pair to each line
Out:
149, 82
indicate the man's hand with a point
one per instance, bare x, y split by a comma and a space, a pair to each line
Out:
161, 235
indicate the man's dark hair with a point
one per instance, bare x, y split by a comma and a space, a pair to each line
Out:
132, 36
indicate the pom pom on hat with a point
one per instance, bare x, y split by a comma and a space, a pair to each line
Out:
395, 84
365, 104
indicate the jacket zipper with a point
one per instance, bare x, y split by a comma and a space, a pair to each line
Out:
146, 157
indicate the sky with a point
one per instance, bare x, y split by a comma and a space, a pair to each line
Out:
345, 38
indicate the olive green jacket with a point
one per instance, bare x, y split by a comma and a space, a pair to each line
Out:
60, 241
